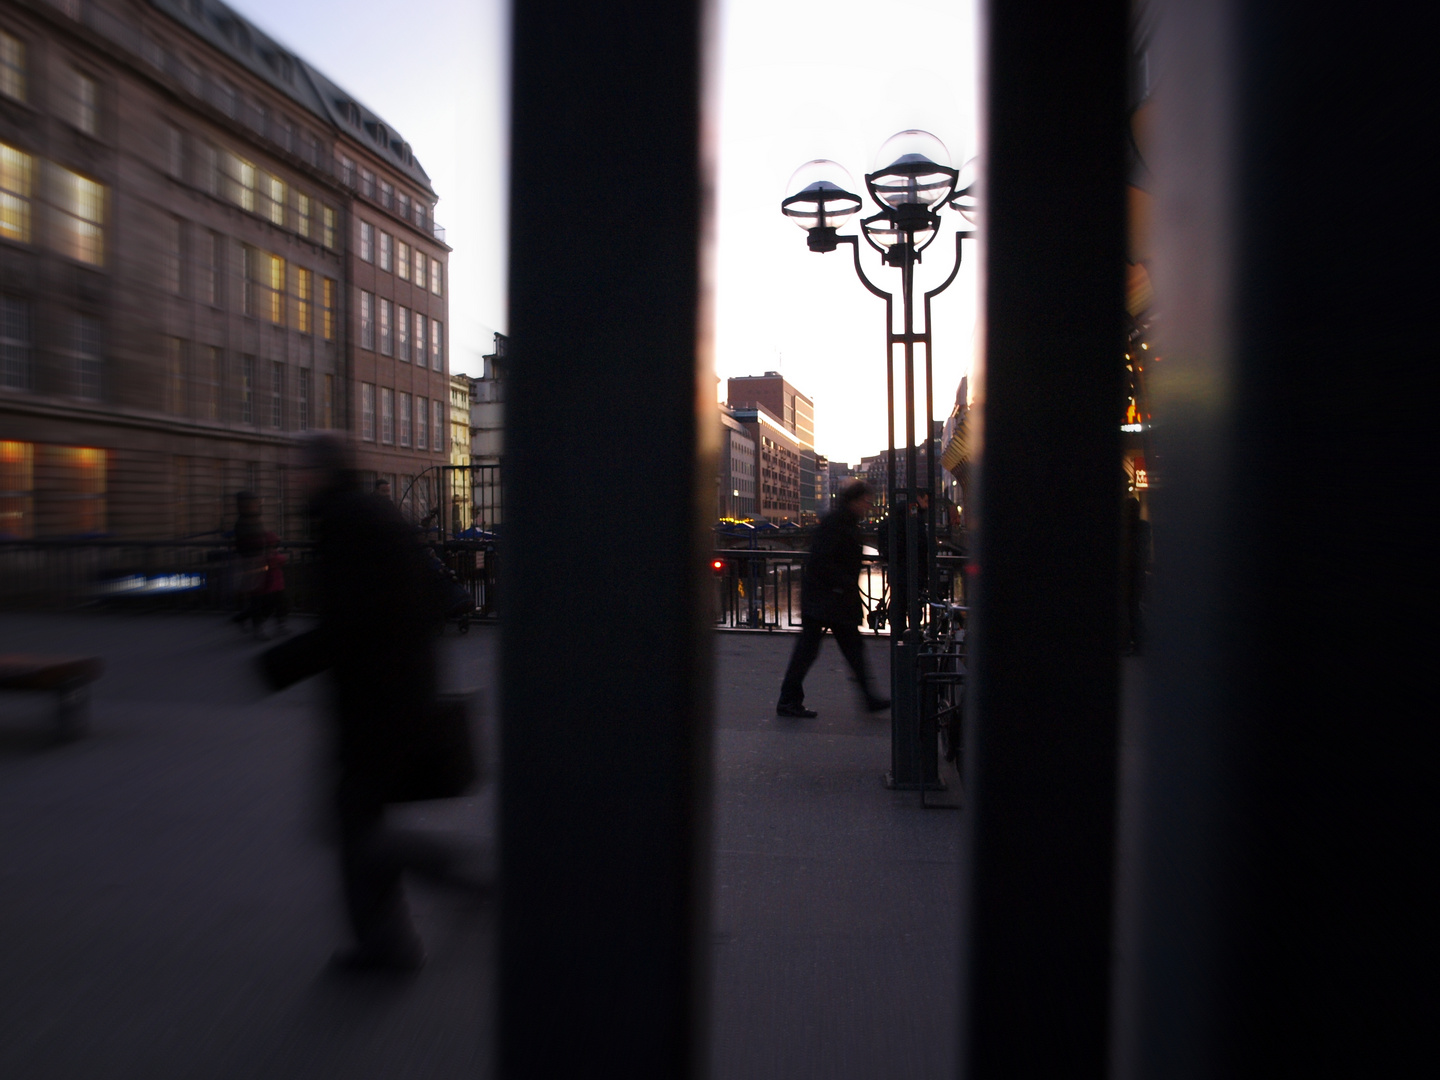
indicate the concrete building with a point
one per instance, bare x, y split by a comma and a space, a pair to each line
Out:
777, 483
206, 247
487, 437
796, 414
735, 478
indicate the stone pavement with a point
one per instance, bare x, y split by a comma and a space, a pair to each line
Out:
167, 903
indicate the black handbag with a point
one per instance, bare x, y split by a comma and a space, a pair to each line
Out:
433, 756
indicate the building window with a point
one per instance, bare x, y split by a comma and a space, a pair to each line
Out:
79, 216
437, 277
387, 251
276, 266
240, 182
304, 300
247, 389
367, 183
367, 242
422, 409
174, 153
347, 171
437, 345
402, 205
437, 425
210, 270
208, 385
174, 376
419, 268
16, 365
16, 171
89, 356
274, 189
277, 395
170, 233
327, 404
210, 170
420, 339
229, 99
387, 415
302, 215
77, 494
402, 334
303, 400
328, 239
387, 194
387, 339
402, 266
87, 104
327, 303
12, 67
404, 419
17, 490
367, 320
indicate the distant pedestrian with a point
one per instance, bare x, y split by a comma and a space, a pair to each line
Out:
270, 598
830, 599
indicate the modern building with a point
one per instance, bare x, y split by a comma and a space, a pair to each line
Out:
206, 247
796, 413
777, 483
487, 437
735, 478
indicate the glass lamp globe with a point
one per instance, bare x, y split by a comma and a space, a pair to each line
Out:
822, 196
884, 231
965, 198
912, 168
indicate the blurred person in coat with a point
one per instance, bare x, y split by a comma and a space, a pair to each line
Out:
379, 611
830, 599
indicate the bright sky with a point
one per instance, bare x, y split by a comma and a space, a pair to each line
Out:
785, 99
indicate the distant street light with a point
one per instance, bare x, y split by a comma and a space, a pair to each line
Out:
912, 182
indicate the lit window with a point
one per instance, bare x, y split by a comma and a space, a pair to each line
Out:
402, 334
16, 356
387, 341
419, 268
367, 320
387, 415
276, 267
17, 490
304, 299
437, 277
404, 419
77, 477
12, 67
422, 409
367, 242
275, 192
16, 168
79, 206
87, 104
240, 182
387, 251
327, 303
329, 237
367, 411
302, 214
402, 263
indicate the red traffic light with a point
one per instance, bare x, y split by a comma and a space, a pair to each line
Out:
717, 565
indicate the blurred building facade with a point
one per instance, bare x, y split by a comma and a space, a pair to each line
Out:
206, 247
735, 479
777, 464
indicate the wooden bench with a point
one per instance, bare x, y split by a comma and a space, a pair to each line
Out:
67, 677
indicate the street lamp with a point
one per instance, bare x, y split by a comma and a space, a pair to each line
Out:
911, 182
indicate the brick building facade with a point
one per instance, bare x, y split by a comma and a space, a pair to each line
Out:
206, 247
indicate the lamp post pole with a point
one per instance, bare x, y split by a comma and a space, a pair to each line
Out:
912, 178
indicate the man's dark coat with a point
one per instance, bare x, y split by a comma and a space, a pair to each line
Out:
830, 586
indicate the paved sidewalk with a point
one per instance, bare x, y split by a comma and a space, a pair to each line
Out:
167, 905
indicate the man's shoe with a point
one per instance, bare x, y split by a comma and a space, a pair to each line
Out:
795, 710
877, 704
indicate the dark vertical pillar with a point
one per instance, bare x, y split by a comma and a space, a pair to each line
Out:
1278, 896
605, 658
1045, 673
